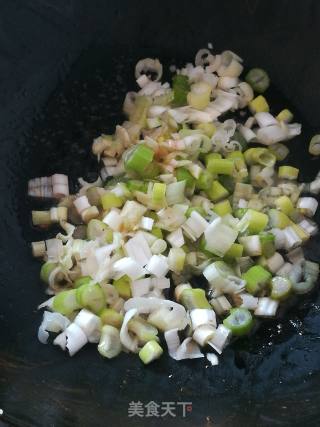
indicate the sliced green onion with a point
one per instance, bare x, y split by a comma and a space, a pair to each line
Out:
240, 321
279, 150
138, 114
194, 298
109, 344
257, 278
176, 259
139, 158
288, 172
267, 241
181, 88
258, 79
280, 288
209, 129
182, 174
254, 221
91, 296
110, 200
199, 96
46, 269
219, 237
259, 105
235, 251
175, 192
150, 351
110, 316
65, 302
217, 192
84, 280
278, 219
314, 145
237, 136
38, 249
159, 193
285, 115
42, 218
222, 208
123, 286
143, 330
98, 229
284, 204
261, 156
267, 307
198, 209
221, 166
157, 232
251, 245
204, 181
218, 274
136, 185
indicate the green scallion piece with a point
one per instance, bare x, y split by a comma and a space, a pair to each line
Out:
239, 321
267, 241
280, 288
258, 79
182, 174
46, 270
84, 280
110, 316
314, 145
204, 181
150, 351
181, 88
194, 298
91, 296
139, 159
66, 302
123, 286
257, 278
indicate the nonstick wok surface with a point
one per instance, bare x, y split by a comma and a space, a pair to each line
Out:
65, 69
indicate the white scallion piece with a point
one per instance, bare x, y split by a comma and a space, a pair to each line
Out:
296, 256
146, 223
195, 225
267, 307
248, 301
251, 244
203, 333
307, 205
292, 240
52, 322
138, 249
90, 324
158, 265
219, 237
128, 266
220, 305
275, 262
141, 287
81, 204
213, 359
220, 339
158, 246
202, 316
113, 219
72, 339
176, 238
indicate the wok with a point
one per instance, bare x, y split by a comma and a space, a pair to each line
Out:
65, 66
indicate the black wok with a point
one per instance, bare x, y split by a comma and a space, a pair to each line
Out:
64, 68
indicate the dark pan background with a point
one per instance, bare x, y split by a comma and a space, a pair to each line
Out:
64, 68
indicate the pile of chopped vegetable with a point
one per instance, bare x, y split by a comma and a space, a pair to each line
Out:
184, 191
